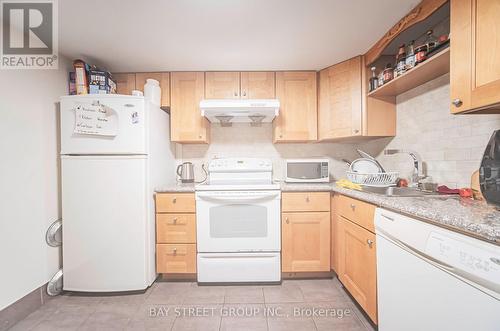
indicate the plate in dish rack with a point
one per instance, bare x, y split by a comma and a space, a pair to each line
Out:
379, 179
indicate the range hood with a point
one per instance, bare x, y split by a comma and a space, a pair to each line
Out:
227, 111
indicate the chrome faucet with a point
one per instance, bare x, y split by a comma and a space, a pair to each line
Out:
418, 171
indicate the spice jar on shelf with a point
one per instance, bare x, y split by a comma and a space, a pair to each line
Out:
420, 54
388, 73
431, 41
410, 55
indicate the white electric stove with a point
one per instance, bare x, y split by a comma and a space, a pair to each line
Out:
238, 223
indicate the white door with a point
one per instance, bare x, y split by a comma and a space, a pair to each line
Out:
238, 221
105, 246
103, 124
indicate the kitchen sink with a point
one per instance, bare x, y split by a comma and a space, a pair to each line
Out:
400, 192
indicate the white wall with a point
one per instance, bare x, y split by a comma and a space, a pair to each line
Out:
450, 145
29, 177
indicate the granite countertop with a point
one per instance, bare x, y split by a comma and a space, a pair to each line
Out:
175, 188
473, 218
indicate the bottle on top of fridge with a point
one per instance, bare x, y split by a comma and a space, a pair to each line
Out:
410, 55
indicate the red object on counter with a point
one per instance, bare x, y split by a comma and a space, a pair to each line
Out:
465, 192
446, 190
402, 183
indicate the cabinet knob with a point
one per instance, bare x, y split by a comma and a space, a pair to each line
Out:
353, 206
369, 242
175, 220
244, 93
457, 102
200, 136
356, 131
307, 199
235, 94
281, 136
286, 220
174, 200
174, 252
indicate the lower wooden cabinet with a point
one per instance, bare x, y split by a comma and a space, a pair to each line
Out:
357, 265
176, 258
175, 234
305, 242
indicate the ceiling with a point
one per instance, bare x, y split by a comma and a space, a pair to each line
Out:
174, 35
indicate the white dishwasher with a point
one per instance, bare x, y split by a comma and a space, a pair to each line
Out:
430, 278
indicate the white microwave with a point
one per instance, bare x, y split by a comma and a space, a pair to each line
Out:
307, 170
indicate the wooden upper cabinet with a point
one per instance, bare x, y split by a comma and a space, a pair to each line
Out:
187, 125
162, 77
340, 109
475, 55
258, 85
125, 83
297, 119
222, 85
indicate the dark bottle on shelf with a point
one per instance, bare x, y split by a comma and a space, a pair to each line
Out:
373, 80
400, 61
431, 41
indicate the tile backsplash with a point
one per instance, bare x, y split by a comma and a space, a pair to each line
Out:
451, 146
242, 140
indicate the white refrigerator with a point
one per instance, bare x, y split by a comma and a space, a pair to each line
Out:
115, 150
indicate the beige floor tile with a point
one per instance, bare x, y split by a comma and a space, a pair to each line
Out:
283, 293
244, 294
33, 319
335, 315
291, 324
168, 293
153, 317
205, 294
203, 317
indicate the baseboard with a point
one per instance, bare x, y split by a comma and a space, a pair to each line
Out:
23, 307
307, 275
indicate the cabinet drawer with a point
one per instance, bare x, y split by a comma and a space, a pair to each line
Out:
305, 201
356, 211
176, 228
175, 203
176, 258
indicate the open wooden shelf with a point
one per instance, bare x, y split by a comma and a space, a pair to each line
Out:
435, 66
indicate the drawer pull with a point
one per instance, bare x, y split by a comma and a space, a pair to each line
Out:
307, 199
174, 252
286, 220
175, 220
369, 242
174, 200
353, 206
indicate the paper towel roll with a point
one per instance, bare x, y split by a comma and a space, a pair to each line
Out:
152, 91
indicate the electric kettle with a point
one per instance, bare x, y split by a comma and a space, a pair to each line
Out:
185, 171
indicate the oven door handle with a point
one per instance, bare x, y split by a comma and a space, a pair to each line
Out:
239, 198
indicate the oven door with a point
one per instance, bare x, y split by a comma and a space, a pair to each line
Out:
238, 221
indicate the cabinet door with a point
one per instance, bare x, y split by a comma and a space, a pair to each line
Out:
340, 109
222, 85
357, 265
475, 54
297, 120
258, 85
186, 123
125, 83
162, 77
305, 242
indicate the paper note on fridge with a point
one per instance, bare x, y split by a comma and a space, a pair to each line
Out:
96, 120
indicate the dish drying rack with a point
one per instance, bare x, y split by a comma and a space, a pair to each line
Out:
380, 179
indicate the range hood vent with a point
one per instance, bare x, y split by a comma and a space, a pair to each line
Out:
227, 111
